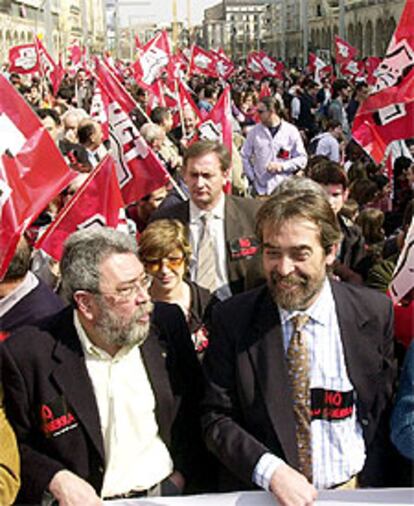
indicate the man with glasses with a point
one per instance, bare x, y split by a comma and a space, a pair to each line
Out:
102, 396
273, 149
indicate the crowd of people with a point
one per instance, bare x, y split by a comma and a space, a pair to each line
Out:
236, 334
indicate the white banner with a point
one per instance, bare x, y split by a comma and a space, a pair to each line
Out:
362, 497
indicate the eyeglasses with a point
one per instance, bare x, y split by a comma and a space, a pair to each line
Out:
154, 265
261, 111
127, 293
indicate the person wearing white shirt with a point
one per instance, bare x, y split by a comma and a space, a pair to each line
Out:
105, 404
231, 220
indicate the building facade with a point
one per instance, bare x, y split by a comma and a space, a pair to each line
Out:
59, 23
238, 26
278, 26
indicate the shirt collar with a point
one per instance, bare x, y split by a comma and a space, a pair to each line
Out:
217, 212
318, 311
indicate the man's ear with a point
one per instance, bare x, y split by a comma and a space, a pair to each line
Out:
332, 254
346, 194
84, 303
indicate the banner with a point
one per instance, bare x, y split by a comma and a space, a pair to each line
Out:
97, 203
24, 59
32, 170
388, 113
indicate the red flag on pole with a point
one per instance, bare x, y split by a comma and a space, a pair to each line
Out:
32, 170
113, 87
24, 59
139, 170
271, 67
203, 62
225, 67
254, 65
388, 113
98, 202
154, 58
344, 52
217, 126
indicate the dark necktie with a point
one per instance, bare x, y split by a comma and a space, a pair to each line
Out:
298, 369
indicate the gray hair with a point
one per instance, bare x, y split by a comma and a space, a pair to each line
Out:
151, 131
299, 184
84, 251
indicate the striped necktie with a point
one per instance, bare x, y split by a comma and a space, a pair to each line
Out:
206, 258
298, 369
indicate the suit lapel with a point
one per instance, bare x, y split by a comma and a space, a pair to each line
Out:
72, 378
232, 228
154, 356
359, 347
268, 358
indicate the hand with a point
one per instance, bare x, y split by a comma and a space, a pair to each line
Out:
291, 488
274, 167
70, 490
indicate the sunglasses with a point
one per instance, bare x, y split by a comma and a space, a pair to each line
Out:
154, 265
261, 111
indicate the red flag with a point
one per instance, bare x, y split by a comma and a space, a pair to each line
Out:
24, 59
57, 75
388, 113
217, 126
47, 63
186, 100
177, 67
32, 170
353, 69
99, 109
318, 67
138, 168
156, 97
271, 67
254, 65
138, 44
344, 52
154, 58
75, 54
113, 87
203, 62
98, 202
371, 65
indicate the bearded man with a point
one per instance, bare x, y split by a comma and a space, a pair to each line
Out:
300, 371
102, 396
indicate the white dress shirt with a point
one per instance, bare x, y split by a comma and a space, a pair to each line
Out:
135, 456
219, 240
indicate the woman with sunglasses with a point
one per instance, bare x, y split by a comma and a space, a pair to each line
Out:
165, 252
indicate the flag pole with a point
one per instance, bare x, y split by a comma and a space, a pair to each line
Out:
180, 109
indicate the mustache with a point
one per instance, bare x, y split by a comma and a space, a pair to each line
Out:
290, 280
143, 309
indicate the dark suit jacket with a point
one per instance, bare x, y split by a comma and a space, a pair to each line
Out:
239, 222
43, 369
247, 410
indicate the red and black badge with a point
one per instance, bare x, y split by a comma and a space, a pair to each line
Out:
331, 405
243, 247
56, 418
